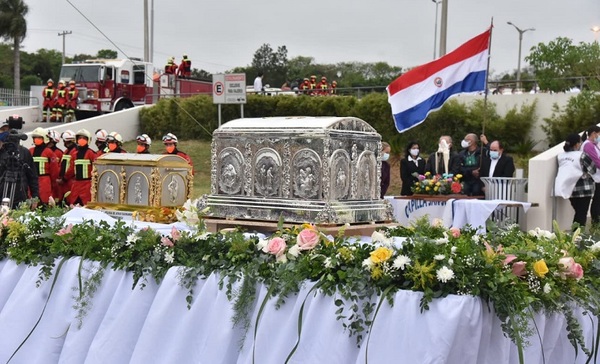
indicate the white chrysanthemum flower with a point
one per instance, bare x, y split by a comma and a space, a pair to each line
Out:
475, 238
99, 238
453, 250
547, 288
327, 263
450, 261
442, 241
131, 240
439, 257
401, 262
444, 274
378, 237
294, 251
595, 247
367, 263
262, 243
170, 256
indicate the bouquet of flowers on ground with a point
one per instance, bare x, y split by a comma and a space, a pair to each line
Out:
429, 184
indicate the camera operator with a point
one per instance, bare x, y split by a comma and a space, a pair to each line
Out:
18, 177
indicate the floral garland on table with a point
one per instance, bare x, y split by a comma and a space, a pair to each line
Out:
437, 184
516, 272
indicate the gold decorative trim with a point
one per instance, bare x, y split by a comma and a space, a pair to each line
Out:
155, 187
94, 189
169, 164
190, 184
123, 190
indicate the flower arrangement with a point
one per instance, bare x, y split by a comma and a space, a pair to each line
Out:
517, 272
429, 184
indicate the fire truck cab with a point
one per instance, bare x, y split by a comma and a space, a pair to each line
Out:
107, 85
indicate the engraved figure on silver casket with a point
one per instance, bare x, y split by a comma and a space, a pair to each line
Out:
229, 175
173, 189
109, 190
138, 190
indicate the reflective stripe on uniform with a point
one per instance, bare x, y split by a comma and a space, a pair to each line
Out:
41, 163
84, 164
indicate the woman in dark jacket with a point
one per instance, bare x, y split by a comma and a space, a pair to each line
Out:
411, 163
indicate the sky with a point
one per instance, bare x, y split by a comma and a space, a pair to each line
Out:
219, 35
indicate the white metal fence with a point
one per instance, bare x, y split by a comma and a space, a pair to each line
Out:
10, 97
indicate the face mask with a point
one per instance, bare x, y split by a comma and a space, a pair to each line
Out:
385, 157
464, 144
494, 154
141, 148
112, 146
38, 141
170, 148
414, 152
598, 139
82, 142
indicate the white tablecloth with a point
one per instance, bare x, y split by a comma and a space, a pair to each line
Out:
476, 212
153, 325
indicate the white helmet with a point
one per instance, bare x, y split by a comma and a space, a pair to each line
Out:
40, 133
53, 135
169, 138
144, 138
101, 135
68, 135
114, 136
85, 133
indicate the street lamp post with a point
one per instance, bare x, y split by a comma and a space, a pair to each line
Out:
437, 3
521, 31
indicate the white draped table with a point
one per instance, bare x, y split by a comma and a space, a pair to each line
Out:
154, 325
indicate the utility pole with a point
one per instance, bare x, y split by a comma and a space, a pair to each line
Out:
444, 28
146, 39
435, 31
521, 31
64, 34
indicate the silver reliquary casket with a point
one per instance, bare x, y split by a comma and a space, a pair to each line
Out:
323, 170
140, 180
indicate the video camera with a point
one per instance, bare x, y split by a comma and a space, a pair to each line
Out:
14, 122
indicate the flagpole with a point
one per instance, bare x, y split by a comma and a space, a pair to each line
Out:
487, 74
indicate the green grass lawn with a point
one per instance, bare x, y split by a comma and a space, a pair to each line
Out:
199, 151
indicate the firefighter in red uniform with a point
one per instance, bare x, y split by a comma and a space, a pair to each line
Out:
323, 87
64, 183
114, 143
170, 142
72, 96
171, 67
53, 140
305, 86
49, 94
333, 87
46, 164
185, 68
100, 142
143, 144
313, 85
80, 170
61, 101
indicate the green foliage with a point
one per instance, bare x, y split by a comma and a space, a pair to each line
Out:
560, 64
582, 111
107, 54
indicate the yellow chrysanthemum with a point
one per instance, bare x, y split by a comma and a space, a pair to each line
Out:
381, 254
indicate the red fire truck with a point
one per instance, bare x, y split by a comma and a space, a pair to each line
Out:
108, 85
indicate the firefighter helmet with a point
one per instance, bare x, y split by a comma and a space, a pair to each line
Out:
145, 139
53, 135
50, 81
334, 82
61, 82
72, 82
313, 77
83, 132
68, 135
169, 138
40, 133
323, 78
101, 135
114, 137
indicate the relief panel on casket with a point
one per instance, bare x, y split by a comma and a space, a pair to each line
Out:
267, 173
174, 190
231, 172
109, 187
306, 166
340, 175
138, 189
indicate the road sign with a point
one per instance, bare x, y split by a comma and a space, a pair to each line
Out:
229, 88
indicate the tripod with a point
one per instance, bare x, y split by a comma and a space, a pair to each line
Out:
9, 180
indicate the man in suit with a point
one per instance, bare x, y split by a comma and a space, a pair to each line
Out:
497, 163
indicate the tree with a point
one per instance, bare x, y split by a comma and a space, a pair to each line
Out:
560, 64
106, 54
13, 26
273, 64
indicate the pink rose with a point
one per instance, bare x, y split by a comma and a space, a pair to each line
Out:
65, 231
166, 241
519, 268
275, 246
307, 239
175, 234
566, 263
576, 271
455, 232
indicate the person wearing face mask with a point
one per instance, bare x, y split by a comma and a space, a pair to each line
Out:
68, 137
170, 142
470, 158
80, 170
445, 160
143, 144
385, 167
497, 163
100, 142
574, 178
590, 147
410, 164
45, 163
114, 142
